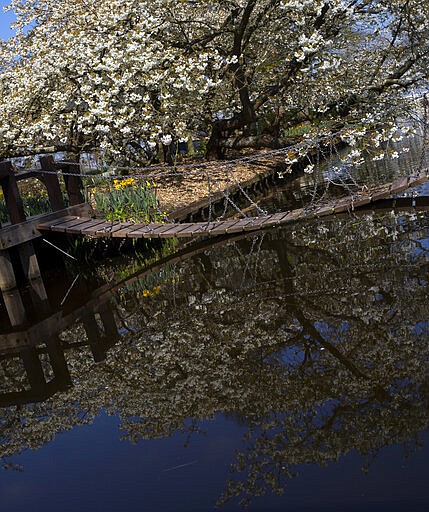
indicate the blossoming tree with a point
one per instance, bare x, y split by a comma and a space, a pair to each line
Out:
121, 75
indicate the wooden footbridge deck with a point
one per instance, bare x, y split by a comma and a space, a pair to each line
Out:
76, 220
81, 225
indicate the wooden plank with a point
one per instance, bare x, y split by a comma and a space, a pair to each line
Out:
323, 211
204, 228
176, 230
343, 205
379, 194
16, 234
223, 227
49, 226
163, 229
257, 223
136, 227
275, 220
361, 200
60, 220
91, 226
241, 226
400, 185
69, 226
143, 231
278, 218
105, 229
218, 228
297, 215
122, 229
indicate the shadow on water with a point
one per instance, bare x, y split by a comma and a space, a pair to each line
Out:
312, 338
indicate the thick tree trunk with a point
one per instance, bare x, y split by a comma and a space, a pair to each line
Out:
215, 149
167, 151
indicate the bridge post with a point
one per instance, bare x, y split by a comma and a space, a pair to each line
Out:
73, 184
33, 369
94, 337
108, 320
58, 361
11, 296
11, 193
51, 183
31, 269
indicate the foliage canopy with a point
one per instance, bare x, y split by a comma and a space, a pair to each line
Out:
110, 74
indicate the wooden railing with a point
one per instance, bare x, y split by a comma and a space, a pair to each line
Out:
9, 183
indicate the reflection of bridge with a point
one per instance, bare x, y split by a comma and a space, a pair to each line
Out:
29, 342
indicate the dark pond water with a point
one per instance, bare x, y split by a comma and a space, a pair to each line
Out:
285, 371
332, 178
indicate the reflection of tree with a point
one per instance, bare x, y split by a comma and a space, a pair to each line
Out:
321, 347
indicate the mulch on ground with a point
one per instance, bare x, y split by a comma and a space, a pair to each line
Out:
183, 189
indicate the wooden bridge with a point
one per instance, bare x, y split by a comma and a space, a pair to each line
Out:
77, 219
81, 225
16, 238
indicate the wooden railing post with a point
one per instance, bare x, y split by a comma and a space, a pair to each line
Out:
11, 193
51, 183
108, 319
58, 361
74, 185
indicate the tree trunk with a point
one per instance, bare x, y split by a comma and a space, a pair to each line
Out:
215, 149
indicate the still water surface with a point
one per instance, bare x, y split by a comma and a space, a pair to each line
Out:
284, 371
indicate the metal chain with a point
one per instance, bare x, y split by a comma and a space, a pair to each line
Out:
209, 190
425, 133
229, 200
260, 210
199, 168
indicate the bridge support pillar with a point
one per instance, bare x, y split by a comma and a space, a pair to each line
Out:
58, 361
31, 269
11, 296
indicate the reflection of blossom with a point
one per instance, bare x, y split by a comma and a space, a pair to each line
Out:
236, 348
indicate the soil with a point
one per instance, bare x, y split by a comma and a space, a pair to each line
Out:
196, 186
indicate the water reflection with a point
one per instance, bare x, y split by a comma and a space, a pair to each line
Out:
332, 178
314, 337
